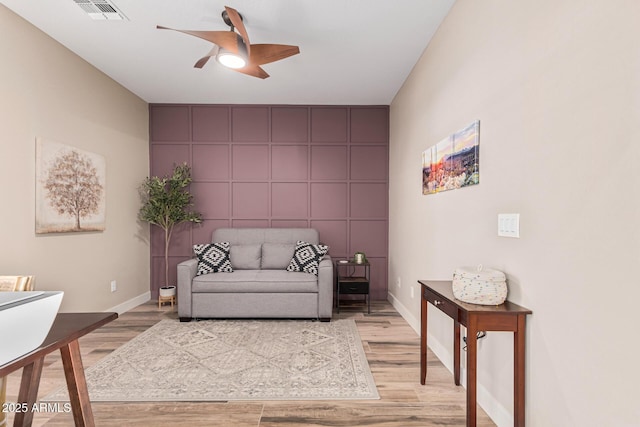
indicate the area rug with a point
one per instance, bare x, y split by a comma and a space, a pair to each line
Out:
222, 360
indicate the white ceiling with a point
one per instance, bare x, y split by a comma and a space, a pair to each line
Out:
355, 52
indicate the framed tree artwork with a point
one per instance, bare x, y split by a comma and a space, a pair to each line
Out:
70, 189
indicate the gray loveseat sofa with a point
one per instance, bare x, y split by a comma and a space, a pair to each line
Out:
259, 286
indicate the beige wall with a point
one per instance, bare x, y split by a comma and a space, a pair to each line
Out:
47, 91
556, 87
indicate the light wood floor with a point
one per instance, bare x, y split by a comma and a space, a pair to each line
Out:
393, 352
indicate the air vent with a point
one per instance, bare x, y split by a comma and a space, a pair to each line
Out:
101, 10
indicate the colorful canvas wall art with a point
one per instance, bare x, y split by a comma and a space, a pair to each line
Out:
70, 189
453, 162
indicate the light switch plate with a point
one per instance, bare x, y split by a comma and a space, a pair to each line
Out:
509, 225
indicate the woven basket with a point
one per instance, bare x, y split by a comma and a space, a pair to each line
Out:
478, 285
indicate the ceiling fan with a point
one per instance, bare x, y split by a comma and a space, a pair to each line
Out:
233, 49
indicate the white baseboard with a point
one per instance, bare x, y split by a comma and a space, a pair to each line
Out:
404, 312
442, 353
132, 303
498, 413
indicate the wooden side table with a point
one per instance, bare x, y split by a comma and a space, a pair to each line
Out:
353, 279
504, 317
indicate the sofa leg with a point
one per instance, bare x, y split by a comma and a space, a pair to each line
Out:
185, 319
325, 319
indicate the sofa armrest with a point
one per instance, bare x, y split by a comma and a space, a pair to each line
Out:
325, 288
186, 272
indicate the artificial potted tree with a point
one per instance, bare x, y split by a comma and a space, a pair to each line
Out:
166, 202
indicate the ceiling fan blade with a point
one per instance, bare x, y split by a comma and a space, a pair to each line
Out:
202, 61
253, 70
225, 39
236, 20
266, 53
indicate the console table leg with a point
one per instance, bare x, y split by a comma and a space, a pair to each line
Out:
29, 391
519, 372
423, 342
456, 352
77, 385
472, 359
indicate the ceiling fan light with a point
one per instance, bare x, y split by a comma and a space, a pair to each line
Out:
230, 59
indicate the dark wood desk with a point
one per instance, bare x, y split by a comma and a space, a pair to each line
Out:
64, 334
504, 317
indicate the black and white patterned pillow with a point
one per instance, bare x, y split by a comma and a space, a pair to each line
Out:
307, 257
213, 258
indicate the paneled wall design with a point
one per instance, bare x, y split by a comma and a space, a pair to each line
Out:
324, 167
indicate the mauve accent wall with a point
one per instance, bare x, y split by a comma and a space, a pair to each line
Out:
324, 167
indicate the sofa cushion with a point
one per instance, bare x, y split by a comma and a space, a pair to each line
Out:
245, 257
213, 258
277, 256
256, 281
306, 257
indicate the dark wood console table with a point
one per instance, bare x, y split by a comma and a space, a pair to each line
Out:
504, 317
64, 334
